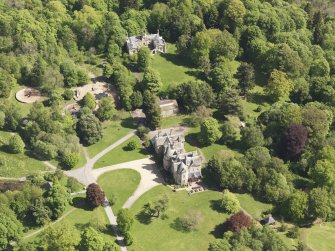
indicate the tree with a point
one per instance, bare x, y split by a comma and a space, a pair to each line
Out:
279, 86
319, 204
143, 58
158, 207
296, 206
191, 220
45, 150
238, 221
106, 108
16, 144
89, 129
219, 245
94, 195
40, 211
7, 82
229, 202
209, 131
231, 103
293, 141
58, 198
136, 99
151, 80
246, 77
230, 132
190, 95
69, 159
252, 136
152, 110
10, 228
200, 115
91, 241
89, 101
124, 220
63, 238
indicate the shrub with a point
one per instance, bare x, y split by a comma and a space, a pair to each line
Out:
16, 144
293, 232
142, 131
124, 220
68, 94
69, 160
94, 195
128, 239
89, 101
132, 145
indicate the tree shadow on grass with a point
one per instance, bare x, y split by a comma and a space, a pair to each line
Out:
178, 225
219, 230
81, 203
143, 218
216, 206
177, 60
258, 98
129, 123
191, 138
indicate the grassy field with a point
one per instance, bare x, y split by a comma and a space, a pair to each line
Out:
162, 234
112, 131
17, 165
119, 154
320, 237
253, 207
120, 183
173, 69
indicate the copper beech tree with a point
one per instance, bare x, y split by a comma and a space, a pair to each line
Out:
94, 195
237, 221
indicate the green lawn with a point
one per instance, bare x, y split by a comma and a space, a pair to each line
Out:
161, 234
173, 69
17, 165
320, 237
112, 131
120, 183
253, 207
119, 154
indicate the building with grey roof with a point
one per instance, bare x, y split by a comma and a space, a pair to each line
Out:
184, 166
154, 42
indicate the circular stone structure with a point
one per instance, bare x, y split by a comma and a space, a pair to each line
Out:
28, 95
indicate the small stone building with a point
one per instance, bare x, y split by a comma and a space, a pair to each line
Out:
184, 166
154, 42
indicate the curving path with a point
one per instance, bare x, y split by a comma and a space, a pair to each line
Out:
85, 174
150, 176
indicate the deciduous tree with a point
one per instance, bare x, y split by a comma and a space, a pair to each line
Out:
209, 131
94, 195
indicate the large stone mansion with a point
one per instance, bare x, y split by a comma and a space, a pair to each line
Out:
154, 42
184, 166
